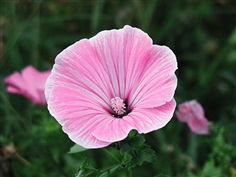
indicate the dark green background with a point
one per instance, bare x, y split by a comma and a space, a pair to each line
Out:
202, 34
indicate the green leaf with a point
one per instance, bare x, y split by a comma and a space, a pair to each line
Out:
210, 169
124, 148
76, 149
127, 160
87, 170
141, 155
147, 154
137, 140
135, 152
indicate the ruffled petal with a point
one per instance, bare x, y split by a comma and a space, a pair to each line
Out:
112, 129
145, 120
158, 82
78, 114
122, 54
78, 67
117, 63
81, 131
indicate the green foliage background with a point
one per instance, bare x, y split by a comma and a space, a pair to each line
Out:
202, 34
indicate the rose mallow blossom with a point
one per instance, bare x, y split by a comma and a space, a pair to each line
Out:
192, 113
29, 83
103, 87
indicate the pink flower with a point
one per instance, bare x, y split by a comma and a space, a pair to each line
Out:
103, 87
192, 113
29, 83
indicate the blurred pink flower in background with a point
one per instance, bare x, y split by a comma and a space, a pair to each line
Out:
29, 83
192, 113
103, 87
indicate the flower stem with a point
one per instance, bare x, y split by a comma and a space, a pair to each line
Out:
112, 155
129, 172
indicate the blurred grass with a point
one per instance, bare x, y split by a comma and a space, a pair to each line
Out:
202, 34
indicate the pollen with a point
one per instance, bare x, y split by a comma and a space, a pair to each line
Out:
118, 105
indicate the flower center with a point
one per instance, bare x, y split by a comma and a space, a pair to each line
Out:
118, 106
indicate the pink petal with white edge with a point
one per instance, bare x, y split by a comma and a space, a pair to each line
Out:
123, 54
78, 114
120, 64
158, 82
145, 120
112, 129
141, 119
81, 130
78, 67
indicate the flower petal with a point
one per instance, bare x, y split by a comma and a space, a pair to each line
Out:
30, 83
78, 114
78, 67
183, 113
112, 129
35, 78
123, 54
197, 122
17, 81
145, 120
11, 89
158, 82
192, 113
80, 131
199, 126
113, 64
15, 90
17, 84
196, 109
